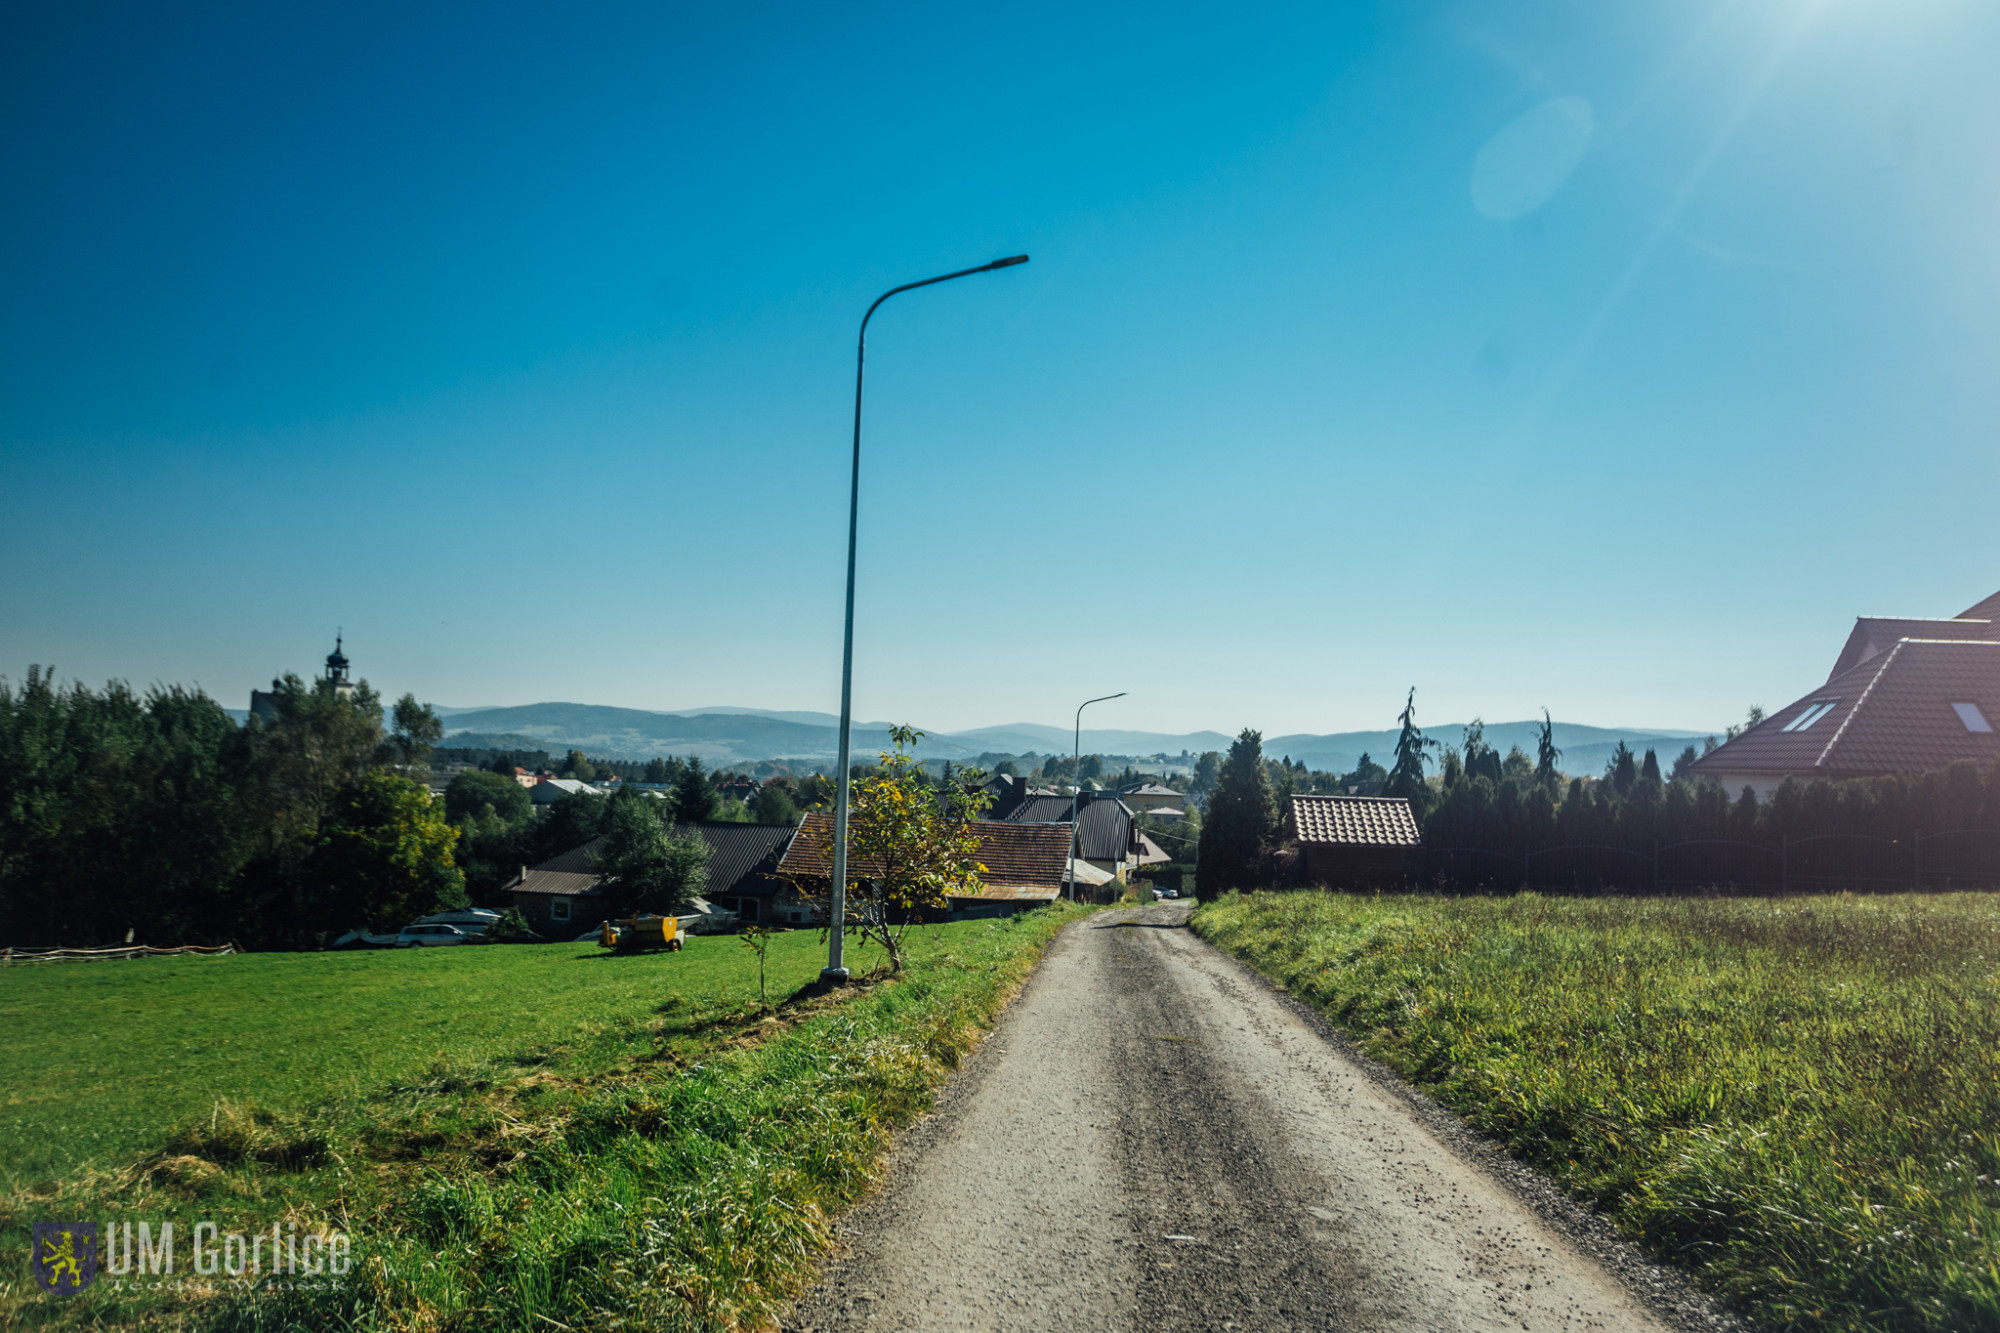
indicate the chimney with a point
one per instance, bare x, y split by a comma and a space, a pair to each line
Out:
1019, 786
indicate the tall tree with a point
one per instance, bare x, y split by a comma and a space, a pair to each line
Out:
383, 857
477, 791
1481, 759
1406, 779
644, 865
1683, 762
573, 819
1622, 769
773, 804
694, 796
315, 744
1239, 826
1546, 754
415, 731
1206, 770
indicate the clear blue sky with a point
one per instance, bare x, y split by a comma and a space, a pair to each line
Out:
1608, 357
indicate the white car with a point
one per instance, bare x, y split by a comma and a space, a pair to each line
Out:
412, 937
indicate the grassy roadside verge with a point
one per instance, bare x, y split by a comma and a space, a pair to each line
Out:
691, 1186
1798, 1100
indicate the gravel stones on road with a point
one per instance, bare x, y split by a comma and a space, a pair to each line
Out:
1153, 1139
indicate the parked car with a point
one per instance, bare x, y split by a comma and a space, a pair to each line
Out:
421, 935
469, 920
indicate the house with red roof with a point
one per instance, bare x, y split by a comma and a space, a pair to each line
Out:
1904, 696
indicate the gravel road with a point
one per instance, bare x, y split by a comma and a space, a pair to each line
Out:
1155, 1139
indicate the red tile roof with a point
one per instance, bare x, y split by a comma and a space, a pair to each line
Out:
1353, 821
1873, 635
1891, 714
1986, 610
1016, 856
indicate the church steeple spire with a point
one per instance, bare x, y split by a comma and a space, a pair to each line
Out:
336, 668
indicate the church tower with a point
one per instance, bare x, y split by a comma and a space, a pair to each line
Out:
336, 670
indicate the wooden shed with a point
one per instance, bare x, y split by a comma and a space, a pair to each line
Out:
1351, 841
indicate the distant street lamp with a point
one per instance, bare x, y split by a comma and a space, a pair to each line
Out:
1076, 744
835, 970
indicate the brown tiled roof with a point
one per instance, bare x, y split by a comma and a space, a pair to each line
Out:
1353, 821
1015, 855
1986, 610
1873, 635
567, 874
1891, 714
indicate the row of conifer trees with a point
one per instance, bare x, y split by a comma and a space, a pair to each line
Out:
1515, 803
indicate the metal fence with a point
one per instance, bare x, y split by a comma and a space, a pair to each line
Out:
1834, 859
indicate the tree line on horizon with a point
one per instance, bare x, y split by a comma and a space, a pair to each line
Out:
157, 817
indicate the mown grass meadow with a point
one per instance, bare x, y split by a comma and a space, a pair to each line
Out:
1796, 1099
98, 1061
648, 1147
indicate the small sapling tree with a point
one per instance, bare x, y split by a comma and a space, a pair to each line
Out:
909, 845
758, 938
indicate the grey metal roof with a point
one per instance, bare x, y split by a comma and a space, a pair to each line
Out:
737, 855
1103, 823
739, 852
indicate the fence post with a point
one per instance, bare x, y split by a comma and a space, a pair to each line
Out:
1656, 865
1916, 858
1784, 862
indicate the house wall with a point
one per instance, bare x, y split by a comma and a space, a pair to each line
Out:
1352, 867
585, 911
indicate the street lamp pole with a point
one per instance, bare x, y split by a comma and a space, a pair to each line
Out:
1076, 753
836, 970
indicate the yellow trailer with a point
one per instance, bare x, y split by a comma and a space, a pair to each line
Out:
641, 932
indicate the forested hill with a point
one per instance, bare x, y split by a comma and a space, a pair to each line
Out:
718, 738
747, 736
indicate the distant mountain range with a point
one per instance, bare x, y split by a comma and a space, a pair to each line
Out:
731, 735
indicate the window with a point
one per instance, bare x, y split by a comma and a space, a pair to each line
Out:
1973, 719
558, 909
1816, 710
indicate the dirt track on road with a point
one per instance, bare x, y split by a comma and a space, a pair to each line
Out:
1154, 1139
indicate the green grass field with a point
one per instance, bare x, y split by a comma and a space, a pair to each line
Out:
515, 1137
1797, 1099
99, 1060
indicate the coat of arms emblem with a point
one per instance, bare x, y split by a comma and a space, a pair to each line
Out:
65, 1256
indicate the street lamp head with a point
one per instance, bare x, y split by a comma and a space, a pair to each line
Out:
1008, 262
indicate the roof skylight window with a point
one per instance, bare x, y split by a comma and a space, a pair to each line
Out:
1973, 719
1816, 710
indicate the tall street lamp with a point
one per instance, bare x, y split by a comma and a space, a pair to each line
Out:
1076, 743
835, 970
